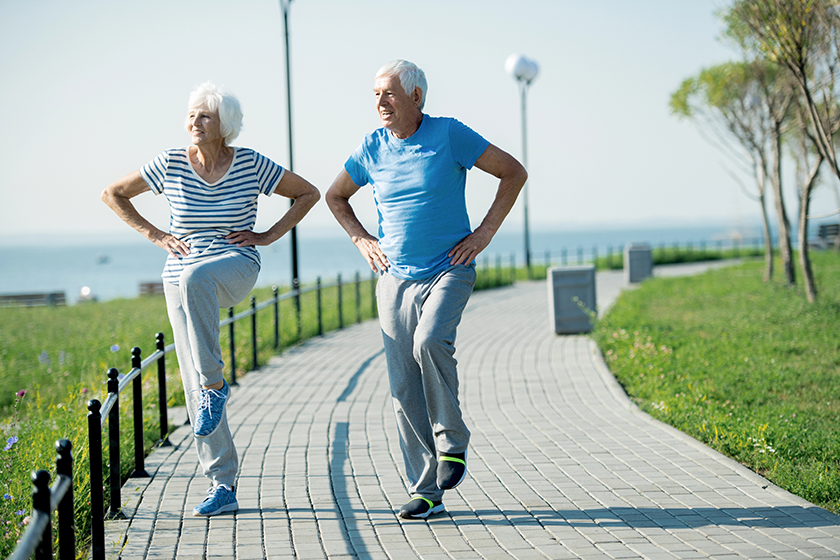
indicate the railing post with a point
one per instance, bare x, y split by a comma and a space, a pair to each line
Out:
358, 299
296, 287
232, 349
114, 472
66, 516
373, 312
253, 332
41, 504
340, 305
595, 255
580, 254
139, 440
162, 400
609, 257
563, 254
513, 268
318, 305
276, 318
547, 260
97, 498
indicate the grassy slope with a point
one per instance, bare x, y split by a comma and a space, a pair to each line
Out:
748, 367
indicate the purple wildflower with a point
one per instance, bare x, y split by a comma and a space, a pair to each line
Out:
21, 393
10, 442
7, 496
115, 348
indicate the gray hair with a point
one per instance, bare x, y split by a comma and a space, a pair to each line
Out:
410, 75
219, 101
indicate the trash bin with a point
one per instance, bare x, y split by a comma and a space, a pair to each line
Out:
638, 262
569, 288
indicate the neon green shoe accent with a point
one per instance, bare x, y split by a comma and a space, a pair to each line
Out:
431, 504
453, 459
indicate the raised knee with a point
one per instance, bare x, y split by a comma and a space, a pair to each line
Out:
426, 343
192, 276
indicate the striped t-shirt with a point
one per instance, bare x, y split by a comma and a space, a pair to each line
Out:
202, 214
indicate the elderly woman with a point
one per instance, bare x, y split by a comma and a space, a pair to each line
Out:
212, 190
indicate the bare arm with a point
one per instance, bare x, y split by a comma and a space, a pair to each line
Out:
512, 177
338, 199
118, 197
304, 196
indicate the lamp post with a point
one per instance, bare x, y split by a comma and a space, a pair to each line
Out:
284, 5
523, 70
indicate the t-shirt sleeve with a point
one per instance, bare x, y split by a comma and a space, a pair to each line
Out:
466, 144
268, 173
356, 169
154, 172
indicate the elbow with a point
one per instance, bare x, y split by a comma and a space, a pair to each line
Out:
107, 196
313, 198
331, 199
520, 175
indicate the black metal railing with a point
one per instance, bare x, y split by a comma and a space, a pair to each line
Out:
38, 538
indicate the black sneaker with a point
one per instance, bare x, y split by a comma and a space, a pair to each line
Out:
451, 470
420, 508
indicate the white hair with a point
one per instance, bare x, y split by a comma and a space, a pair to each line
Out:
222, 102
410, 75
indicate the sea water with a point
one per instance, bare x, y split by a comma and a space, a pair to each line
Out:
115, 270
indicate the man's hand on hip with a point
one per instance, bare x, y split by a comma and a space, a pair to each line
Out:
372, 252
468, 249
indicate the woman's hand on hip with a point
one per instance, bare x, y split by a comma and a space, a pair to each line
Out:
247, 238
172, 244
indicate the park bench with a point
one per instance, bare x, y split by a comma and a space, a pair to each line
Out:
151, 288
47, 299
826, 236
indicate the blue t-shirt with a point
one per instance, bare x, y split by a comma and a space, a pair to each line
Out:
419, 186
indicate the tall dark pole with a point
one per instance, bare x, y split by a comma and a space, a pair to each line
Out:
284, 5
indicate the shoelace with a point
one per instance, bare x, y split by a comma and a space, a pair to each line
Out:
204, 401
211, 492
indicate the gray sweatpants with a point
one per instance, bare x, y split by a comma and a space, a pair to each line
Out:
193, 307
418, 321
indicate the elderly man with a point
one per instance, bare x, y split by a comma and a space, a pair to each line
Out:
425, 253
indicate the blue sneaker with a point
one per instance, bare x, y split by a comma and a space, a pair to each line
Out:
211, 408
219, 499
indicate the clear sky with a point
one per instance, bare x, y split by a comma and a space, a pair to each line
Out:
92, 90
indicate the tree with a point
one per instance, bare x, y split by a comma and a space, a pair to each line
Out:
779, 92
804, 37
808, 162
739, 104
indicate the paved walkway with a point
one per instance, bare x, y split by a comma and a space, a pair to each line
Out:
561, 464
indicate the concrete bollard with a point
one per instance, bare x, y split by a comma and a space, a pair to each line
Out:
638, 262
569, 287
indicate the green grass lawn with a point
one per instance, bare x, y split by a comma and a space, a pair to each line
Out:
749, 368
